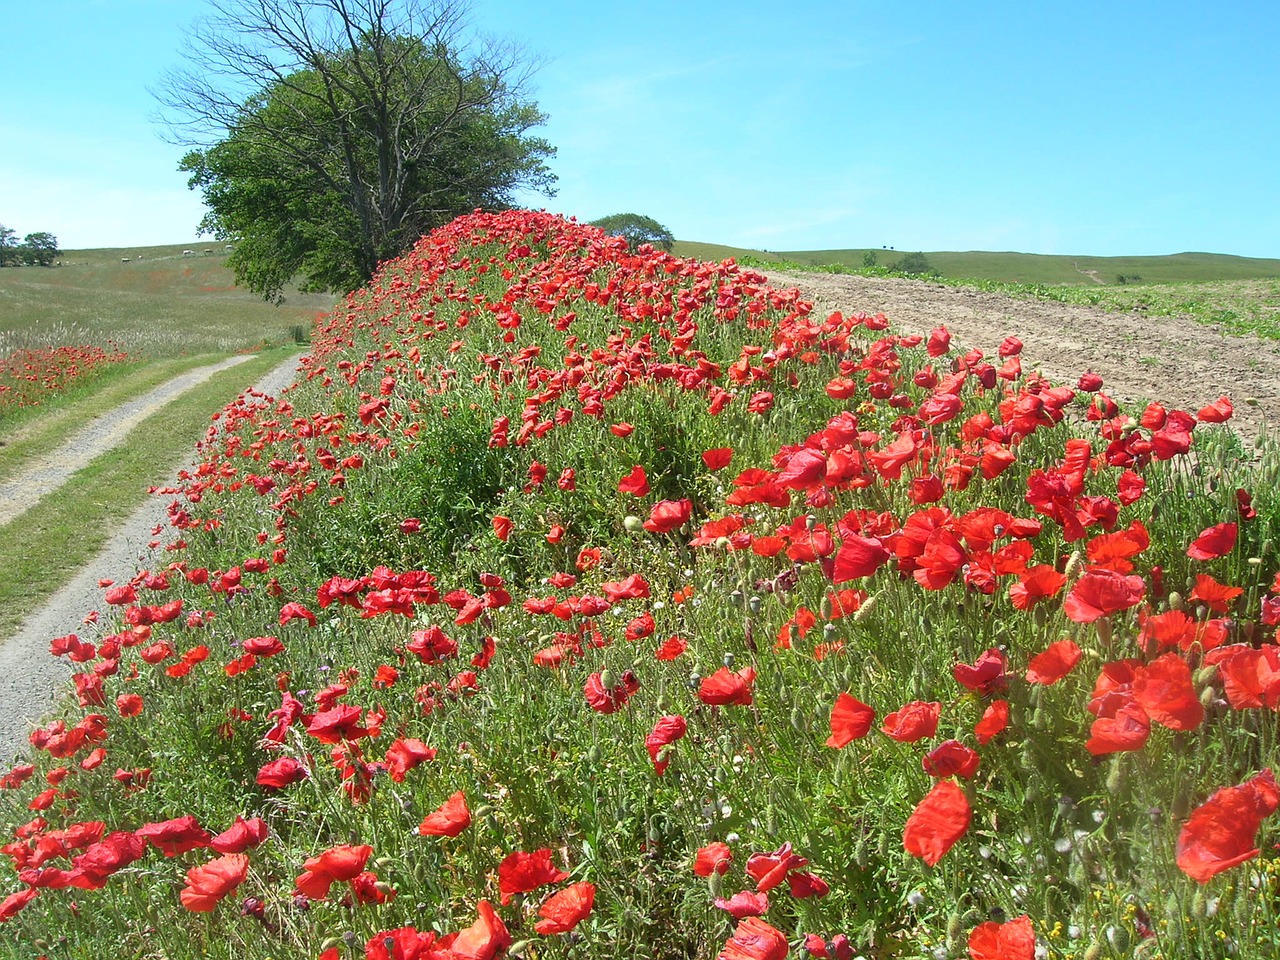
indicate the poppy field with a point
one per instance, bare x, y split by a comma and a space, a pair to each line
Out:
30, 375
584, 603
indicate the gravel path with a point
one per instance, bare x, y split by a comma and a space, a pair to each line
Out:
48, 472
30, 678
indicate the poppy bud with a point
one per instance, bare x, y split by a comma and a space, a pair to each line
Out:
1103, 626
1074, 563
864, 611
1175, 601
715, 884
797, 719
1094, 951
1115, 777
633, 524
608, 679
1207, 695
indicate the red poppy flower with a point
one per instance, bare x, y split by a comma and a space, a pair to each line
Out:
715, 857
209, 883
994, 720
449, 819
665, 732
913, 721
635, 483
129, 704
13, 904
1121, 725
1250, 678
851, 719
726, 688
336, 724
671, 648
858, 557
1100, 593
744, 904
241, 835
104, 857
263, 646
1220, 411
565, 910
612, 699
172, 837
634, 587
502, 527
770, 869
296, 611
1216, 596
1165, 690
718, 458
335, 865
1035, 584
938, 821
278, 774
1220, 833
1213, 542
1054, 663
984, 676
754, 940
951, 758
668, 515
1015, 940
486, 939
522, 872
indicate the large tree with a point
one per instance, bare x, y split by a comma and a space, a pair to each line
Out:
342, 130
39, 249
8, 245
637, 229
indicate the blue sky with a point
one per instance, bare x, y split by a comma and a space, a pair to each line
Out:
1102, 128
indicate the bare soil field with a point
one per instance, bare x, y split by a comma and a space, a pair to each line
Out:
1171, 359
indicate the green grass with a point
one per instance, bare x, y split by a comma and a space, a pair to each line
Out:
44, 547
1024, 268
160, 303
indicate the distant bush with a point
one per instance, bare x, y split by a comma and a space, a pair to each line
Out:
914, 263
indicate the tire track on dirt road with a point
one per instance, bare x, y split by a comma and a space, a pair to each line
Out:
30, 678
47, 472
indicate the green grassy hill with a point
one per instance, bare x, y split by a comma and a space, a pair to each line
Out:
155, 300
1024, 267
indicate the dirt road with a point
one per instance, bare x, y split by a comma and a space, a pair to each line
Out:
29, 677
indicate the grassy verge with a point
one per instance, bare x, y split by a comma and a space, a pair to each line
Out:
44, 548
27, 431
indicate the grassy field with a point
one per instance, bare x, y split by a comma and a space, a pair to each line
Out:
1022, 268
159, 303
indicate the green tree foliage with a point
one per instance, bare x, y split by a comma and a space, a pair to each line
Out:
914, 263
8, 245
39, 249
637, 230
367, 125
